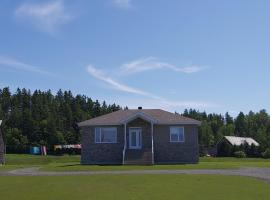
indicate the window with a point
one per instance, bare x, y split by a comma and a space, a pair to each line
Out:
105, 135
177, 134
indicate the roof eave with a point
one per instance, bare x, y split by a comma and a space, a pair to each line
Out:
119, 124
99, 124
139, 115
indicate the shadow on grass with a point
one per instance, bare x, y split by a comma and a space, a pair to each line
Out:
68, 165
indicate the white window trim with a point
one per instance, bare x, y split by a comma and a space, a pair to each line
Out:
115, 128
178, 141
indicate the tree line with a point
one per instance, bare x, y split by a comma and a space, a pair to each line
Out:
214, 126
42, 118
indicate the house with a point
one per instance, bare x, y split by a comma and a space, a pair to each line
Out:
139, 136
2, 146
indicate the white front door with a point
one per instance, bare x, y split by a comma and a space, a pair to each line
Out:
135, 138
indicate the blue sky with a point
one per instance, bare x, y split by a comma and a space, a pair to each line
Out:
209, 55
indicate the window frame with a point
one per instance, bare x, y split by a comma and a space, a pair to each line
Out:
178, 134
100, 135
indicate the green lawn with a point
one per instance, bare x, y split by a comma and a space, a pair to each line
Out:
26, 159
134, 187
15, 161
184, 187
72, 163
205, 163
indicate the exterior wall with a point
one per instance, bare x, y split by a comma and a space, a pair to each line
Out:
146, 133
170, 153
101, 153
164, 151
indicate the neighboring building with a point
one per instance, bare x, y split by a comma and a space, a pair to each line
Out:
230, 144
238, 141
2, 146
141, 136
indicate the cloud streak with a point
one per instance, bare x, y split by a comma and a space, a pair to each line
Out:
14, 64
100, 75
47, 17
152, 63
122, 3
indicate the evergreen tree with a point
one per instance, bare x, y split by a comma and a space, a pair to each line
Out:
42, 118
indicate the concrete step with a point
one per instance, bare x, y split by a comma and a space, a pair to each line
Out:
138, 157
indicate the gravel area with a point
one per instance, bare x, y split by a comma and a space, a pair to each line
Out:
261, 173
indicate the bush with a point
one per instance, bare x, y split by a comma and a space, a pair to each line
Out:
266, 154
239, 154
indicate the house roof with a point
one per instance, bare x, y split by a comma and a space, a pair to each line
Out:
238, 141
156, 116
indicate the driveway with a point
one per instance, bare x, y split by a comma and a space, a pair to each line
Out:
261, 173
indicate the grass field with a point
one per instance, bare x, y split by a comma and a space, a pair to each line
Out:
195, 187
71, 163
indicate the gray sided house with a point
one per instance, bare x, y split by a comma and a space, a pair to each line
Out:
141, 136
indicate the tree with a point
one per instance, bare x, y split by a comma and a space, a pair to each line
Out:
228, 119
240, 125
42, 118
206, 138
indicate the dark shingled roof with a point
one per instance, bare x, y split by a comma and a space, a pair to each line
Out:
158, 115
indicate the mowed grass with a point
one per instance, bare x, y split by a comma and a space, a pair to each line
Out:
118, 187
26, 159
15, 161
72, 163
205, 163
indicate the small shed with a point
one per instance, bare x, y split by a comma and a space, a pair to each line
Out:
2, 145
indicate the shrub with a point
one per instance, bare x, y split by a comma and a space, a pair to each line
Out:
239, 154
266, 154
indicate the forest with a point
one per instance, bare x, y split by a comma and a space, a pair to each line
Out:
43, 118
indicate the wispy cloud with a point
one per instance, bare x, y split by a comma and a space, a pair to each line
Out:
100, 75
122, 3
14, 64
47, 17
152, 63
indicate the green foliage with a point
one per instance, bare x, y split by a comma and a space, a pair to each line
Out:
255, 125
206, 135
41, 118
266, 154
240, 154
